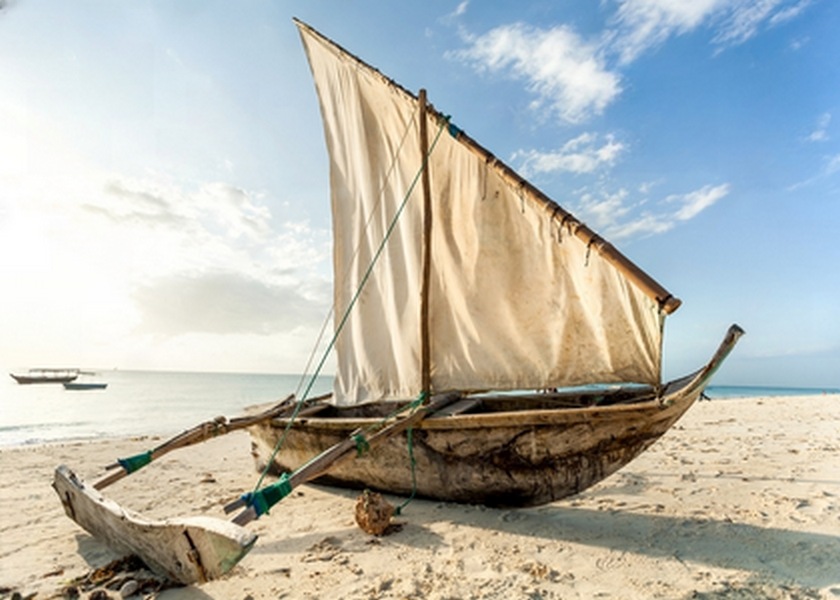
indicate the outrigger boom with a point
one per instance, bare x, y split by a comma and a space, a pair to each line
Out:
198, 549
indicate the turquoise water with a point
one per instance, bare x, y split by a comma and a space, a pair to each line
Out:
163, 403
742, 391
134, 403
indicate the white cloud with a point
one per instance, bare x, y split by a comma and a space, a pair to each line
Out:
798, 43
573, 78
165, 254
645, 24
450, 18
214, 207
602, 213
226, 303
236, 209
695, 202
744, 21
580, 155
819, 134
789, 13
567, 74
833, 165
647, 186
617, 216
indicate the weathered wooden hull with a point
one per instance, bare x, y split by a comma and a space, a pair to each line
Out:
495, 455
188, 550
516, 458
33, 379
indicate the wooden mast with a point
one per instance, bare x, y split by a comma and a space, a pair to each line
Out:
425, 342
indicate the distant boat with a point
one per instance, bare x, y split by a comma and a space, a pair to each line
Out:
46, 376
83, 385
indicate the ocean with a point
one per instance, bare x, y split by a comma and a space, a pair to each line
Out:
134, 403
165, 403
721, 392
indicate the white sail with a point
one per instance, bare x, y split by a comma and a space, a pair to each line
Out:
515, 303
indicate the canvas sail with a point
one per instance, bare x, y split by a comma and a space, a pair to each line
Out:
516, 301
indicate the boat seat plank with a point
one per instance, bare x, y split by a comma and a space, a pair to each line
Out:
456, 408
306, 411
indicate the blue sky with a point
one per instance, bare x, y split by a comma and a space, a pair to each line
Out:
164, 184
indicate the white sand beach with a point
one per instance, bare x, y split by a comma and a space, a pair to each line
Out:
741, 499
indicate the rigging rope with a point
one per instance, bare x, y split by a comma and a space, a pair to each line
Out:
352, 302
413, 463
356, 251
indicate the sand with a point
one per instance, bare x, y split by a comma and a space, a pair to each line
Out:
741, 499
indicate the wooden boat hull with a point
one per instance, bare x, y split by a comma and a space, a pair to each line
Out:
188, 550
496, 457
32, 379
522, 458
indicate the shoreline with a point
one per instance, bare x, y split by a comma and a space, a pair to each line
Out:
159, 435
741, 499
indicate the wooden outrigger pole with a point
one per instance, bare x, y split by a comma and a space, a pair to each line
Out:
198, 549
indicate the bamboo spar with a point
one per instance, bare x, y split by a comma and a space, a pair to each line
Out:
667, 302
650, 287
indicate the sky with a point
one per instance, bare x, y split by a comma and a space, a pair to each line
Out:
164, 199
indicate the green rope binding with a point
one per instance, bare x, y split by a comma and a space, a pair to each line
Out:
135, 463
362, 445
267, 497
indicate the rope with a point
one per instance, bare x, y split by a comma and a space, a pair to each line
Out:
362, 445
355, 252
374, 260
352, 303
270, 495
413, 463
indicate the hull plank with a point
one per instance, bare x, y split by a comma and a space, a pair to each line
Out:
188, 550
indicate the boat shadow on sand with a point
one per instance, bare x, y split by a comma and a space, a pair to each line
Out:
773, 555
776, 558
